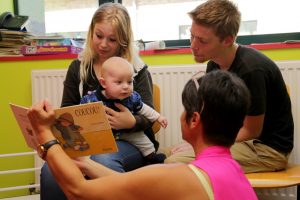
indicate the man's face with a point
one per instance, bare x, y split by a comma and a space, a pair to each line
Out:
205, 44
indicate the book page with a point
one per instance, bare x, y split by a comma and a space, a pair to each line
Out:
81, 130
84, 130
24, 124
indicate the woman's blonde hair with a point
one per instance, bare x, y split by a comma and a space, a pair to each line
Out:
118, 16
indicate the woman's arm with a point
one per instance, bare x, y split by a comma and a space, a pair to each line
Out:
91, 168
41, 117
143, 85
146, 183
138, 184
71, 94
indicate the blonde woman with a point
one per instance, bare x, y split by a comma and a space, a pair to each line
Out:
110, 34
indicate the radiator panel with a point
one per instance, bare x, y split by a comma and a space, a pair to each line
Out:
46, 84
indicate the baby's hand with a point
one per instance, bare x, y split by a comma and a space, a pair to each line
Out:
163, 121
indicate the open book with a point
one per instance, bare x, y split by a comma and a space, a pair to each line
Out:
81, 130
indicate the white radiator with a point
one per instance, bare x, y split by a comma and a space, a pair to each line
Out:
171, 79
46, 84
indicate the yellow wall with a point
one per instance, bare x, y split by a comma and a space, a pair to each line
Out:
15, 84
6, 5
275, 54
16, 88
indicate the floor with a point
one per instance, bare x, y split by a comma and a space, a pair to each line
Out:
29, 197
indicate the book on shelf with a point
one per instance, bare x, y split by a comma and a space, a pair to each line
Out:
14, 33
9, 51
81, 130
11, 42
48, 50
54, 40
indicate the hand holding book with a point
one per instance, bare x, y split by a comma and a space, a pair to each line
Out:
81, 129
42, 117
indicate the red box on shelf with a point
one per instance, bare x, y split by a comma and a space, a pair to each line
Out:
47, 50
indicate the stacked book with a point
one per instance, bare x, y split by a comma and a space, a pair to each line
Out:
18, 43
11, 42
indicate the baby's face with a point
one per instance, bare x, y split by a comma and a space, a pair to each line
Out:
119, 84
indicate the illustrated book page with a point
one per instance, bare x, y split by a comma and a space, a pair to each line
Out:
81, 129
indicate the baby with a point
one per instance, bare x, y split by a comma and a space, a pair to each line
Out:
117, 87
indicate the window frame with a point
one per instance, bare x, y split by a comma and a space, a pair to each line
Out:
106, 1
245, 39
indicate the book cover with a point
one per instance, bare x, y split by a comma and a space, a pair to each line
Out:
47, 50
81, 129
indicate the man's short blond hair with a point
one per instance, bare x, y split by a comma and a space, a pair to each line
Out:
222, 16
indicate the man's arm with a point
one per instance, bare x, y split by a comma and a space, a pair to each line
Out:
251, 129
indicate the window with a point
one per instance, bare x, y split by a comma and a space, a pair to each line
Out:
160, 19
165, 19
69, 17
168, 19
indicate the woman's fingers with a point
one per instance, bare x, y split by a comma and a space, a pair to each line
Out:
120, 120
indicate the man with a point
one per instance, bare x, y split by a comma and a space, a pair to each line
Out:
266, 138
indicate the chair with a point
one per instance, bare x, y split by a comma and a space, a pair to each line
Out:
279, 179
288, 89
156, 104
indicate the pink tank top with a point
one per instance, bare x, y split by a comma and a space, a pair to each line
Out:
226, 176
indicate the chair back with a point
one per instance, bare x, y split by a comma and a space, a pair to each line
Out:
156, 104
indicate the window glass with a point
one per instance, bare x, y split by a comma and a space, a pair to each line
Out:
168, 19
69, 17
265, 17
160, 19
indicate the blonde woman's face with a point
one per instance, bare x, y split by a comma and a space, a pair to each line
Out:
104, 41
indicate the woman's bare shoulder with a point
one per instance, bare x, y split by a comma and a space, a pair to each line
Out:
166, 181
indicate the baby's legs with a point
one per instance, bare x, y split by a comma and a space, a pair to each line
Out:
140, 140
143, 143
